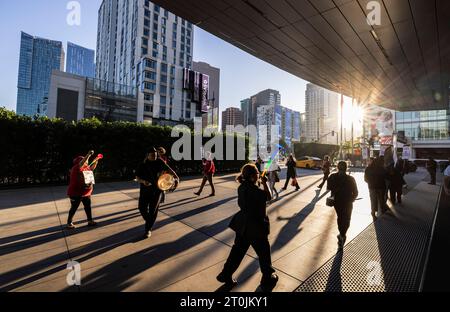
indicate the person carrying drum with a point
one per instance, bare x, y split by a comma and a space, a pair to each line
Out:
147, 174
81, 186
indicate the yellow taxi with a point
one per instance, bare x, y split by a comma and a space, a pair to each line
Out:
308, 162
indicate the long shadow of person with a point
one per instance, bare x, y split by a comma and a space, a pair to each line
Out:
334, 282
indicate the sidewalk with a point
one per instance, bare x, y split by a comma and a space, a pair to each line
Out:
188, 247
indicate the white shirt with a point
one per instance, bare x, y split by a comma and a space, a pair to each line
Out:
447, 171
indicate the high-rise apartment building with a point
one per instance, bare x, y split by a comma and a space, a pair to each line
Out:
245, 104
141, 44
321, 114
38, 57
80, 61
232, 116
287, 125
263, 98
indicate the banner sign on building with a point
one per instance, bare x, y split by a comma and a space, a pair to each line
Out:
198, 86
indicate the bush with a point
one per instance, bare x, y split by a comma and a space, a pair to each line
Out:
41, 150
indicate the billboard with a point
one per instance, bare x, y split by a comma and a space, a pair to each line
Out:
197, 84
379, 121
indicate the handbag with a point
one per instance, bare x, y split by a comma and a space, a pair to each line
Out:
238, 223
294, 182
331, 201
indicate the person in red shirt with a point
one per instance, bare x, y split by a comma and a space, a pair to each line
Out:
79, 191
209, 169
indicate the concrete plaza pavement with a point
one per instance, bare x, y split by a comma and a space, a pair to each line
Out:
188, 246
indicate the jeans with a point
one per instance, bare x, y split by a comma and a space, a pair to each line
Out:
344, 215
395, 193
75, 203
325, 178
377, 200
240, 247
149, 201
208, 177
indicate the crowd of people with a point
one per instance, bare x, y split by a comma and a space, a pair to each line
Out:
257, 187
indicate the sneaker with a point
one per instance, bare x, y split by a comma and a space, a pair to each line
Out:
212, 195
92, 223
228, 280
148, 234
70, 226
197, 193
268, 283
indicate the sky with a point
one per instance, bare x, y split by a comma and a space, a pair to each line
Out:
242, 75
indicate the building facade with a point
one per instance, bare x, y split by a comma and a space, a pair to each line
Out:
211, 118
73, 97
321, 114
140, 44
80, 61
232, 116
38, 57
426, 131
245, 104
250, 106
281, 121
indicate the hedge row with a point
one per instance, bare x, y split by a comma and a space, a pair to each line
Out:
41, 150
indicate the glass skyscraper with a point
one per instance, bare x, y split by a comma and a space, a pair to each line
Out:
38, 57
80, 61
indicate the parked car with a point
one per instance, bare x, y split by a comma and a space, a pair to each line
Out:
309, 162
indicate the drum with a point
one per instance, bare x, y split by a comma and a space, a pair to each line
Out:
166, 182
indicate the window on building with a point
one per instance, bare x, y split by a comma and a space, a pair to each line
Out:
150, 63
144, 51
147, 13
174, 44
162, 89
157, 8
155, 54
146, 22
149, 97
148, 108
150, 75
163, 100
146, 32
163, 78
172, 70
163, 68
150, 86
145, 41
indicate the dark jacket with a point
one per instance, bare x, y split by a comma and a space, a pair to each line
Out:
291, 172
252, 221
343, 188
395, 178
376, 177
431, 165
